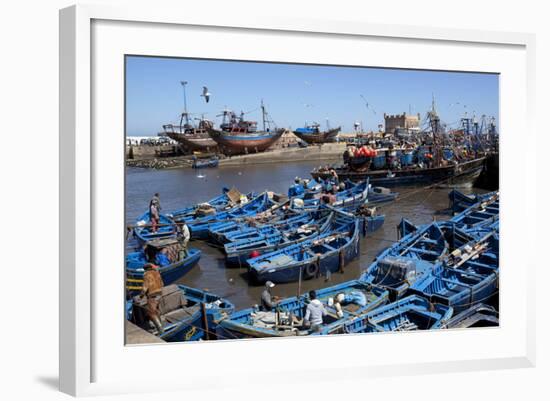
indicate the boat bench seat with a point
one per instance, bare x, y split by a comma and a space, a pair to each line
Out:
180, 314
424, 251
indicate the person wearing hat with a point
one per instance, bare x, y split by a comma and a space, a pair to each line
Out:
183, 235
267, 301
152, 289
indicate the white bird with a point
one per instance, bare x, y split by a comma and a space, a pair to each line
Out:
206, 94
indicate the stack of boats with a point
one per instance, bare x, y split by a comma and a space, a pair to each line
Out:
439, 275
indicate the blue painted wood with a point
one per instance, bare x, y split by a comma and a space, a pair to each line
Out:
237, 252
241, 324
170, 274
479, 315
191, 327
310, 258
410, 313
200, 227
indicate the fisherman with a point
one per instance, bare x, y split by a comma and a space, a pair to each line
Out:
154, 211
156, 200
268, 301
152, 289
154, 216
183, 236
334, 176
314, 313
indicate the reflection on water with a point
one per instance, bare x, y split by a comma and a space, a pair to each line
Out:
183, 187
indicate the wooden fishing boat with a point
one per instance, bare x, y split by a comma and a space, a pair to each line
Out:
325, 254
313, 135
251, 232
199, 227
481, 214
237, 136
239, 143
143, 230
408, 260
349, 199
479, 315
229, 199
380, 195
177, 266
464, 172
192, 139
276, 217
407, 314
299, 230
459, 288
209, 163
459, 201
187, 314
286, 320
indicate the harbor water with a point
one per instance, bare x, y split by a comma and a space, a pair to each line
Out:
183, 187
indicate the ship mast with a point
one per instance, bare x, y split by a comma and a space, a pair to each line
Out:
263, 114
434, 122
183, 83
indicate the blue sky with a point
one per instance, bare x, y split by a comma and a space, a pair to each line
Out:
295, 94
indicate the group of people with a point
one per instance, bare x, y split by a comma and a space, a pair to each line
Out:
315, 310
152, 280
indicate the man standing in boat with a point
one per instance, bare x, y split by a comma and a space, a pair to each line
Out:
314, 313
152, 289
268, 301
154, 212
183, 235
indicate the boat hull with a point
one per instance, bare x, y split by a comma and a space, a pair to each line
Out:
317, 138
330, 262
239, 144
170, 274
461, 174
198, 142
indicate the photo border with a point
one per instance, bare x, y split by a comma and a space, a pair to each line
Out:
76, 171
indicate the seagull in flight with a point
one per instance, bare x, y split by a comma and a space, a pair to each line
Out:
206, 94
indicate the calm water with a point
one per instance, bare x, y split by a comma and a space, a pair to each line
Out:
183, 187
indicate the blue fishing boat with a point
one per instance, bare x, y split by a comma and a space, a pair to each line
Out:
481, 214
187, 314
229, 199
459, 288
479, 315
407, 314
250, 232
348, 199
209, 163
237, 252
329, 252
276, 217
287, 319
143, 229
408, 260
373, 223
459, 201
172, 265
200, 227
380, 195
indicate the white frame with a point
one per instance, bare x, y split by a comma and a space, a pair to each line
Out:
76, 170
